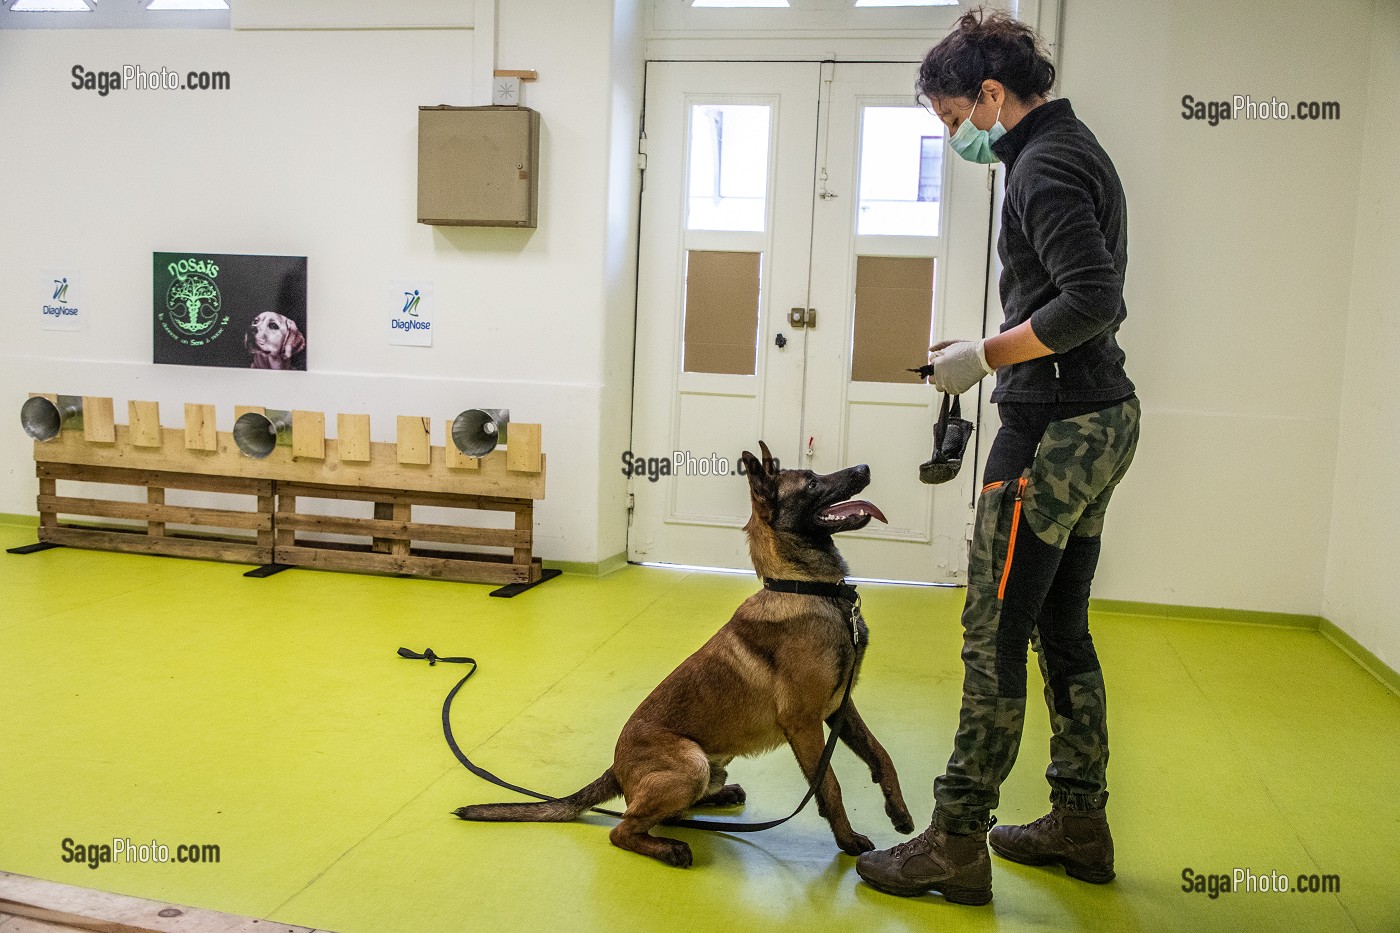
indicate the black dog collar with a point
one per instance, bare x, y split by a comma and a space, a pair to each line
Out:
846, 592
842, 590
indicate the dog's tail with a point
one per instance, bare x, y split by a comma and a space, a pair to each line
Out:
549, 811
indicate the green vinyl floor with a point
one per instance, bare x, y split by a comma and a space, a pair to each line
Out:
174, 701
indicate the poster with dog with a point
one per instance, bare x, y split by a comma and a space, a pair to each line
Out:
219, 309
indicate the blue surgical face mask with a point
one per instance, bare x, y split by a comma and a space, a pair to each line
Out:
973, 144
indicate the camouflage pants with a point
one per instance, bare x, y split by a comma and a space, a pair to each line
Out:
1034, 551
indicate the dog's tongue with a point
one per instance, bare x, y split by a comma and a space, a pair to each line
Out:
853, 507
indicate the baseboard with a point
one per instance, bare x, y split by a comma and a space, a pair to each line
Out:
1205, 613
598, 569
23, 521
1361, 655
1324, 627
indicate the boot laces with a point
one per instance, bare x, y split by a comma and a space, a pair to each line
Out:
915, 846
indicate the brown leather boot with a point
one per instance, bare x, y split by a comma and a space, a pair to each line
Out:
1077, 839
955, 866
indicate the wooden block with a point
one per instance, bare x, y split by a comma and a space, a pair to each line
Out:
456, 460
525, 531
98, 424
352, 438
48, 487
309, 435
283, 534
383, 511
523, 448
415, 445
200, 428
402, 515
267, 507
155, 495
144, 428
240, 410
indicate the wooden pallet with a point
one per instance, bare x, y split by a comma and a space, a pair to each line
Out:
392, 533
216, 536
282, 529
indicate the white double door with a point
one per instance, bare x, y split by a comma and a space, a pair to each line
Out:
805, 235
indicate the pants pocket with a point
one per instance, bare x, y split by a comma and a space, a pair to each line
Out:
1078, 462
997, 508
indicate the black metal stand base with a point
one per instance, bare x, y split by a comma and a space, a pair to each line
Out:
33, 548
267, 570
515, 589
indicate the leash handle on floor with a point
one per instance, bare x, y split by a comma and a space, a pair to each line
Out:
717, 826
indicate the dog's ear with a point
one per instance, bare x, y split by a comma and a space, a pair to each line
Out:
770, 466
763, 488
293, 341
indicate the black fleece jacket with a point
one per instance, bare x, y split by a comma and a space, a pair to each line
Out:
1064, 251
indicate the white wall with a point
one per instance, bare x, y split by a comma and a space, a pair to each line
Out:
1240, 267
1362, 593
313, 153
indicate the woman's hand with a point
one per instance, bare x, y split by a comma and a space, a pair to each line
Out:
958, 365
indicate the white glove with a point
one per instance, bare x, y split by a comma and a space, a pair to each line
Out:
959, 366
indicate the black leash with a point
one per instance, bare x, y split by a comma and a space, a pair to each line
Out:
842, 591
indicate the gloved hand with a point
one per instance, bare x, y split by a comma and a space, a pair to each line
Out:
958, 365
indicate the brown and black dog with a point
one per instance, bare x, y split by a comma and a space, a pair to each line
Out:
771, 675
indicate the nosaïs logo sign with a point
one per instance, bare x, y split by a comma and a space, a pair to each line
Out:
410, 306
59, 309
193, 302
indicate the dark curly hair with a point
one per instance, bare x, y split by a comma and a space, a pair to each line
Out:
986, 45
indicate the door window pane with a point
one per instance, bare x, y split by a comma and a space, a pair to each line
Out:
894, 317
901, 172
728, 182
721, 312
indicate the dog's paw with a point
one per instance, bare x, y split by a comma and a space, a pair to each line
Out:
730, 795
899, 816
677, 854
856, 845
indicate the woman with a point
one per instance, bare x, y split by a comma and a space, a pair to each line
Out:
1069, 427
